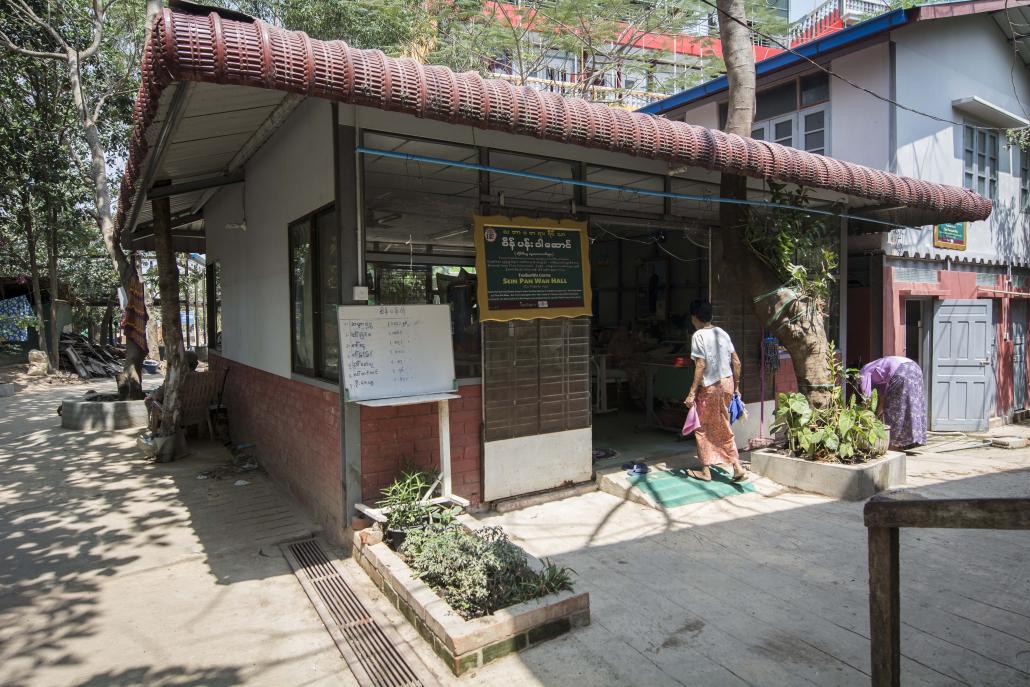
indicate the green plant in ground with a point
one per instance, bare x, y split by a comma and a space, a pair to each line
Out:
846, 431
479, 572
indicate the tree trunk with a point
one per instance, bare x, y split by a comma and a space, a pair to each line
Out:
175, 351
799, 328
130, 384
108, 321
55, 334
37, 295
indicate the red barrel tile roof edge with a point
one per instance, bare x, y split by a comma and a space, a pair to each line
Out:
211, 48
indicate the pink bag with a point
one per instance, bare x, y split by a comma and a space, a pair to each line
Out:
692, 422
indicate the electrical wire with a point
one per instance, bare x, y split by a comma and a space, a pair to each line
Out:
848, 81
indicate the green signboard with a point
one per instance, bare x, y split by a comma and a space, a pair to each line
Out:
530, 268
951, 236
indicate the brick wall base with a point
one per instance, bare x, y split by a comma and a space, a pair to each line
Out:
394, 437
295, 429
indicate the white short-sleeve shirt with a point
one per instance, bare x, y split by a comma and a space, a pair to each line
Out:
712, 345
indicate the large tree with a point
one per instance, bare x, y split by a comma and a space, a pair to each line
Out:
790, 311
96, 43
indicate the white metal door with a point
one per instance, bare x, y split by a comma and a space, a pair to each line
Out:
963, 370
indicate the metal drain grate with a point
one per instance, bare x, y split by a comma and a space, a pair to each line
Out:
375, 653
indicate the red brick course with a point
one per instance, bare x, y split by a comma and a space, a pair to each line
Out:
295, 428
394, 437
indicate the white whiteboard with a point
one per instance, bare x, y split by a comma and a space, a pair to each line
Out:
391, 351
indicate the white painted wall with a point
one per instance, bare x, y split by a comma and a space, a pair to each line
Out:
290, 176
706, 114
859, 122
938, 62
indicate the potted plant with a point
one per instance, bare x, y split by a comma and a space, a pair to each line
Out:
407, 505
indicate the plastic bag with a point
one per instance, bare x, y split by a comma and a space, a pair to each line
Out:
737, 409
692, 422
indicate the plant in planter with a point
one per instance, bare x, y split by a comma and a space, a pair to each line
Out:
479, 572
846, 431
407, 507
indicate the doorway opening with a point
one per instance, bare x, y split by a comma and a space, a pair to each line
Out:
644, 279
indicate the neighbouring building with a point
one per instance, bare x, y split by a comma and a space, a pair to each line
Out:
927, 92
317, 176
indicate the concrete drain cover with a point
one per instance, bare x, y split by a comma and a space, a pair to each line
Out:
375, 653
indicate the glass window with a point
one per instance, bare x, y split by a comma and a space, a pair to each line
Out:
329, 292
392, 283
980, 160
783, 132
625, 200
777, 101
814, 125
526, 192
815, 88
302, 297
314, 295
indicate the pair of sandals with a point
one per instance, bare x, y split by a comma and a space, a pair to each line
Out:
700, 475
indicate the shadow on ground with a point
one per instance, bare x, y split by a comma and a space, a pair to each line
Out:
773, 591
105, 555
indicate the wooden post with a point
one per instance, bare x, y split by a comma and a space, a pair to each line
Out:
444, 412
884, 607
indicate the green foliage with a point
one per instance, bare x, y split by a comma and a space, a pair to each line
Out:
406, 511
846, 431
800, 247
1019, 138
479, 572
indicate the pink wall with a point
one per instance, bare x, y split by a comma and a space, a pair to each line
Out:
954, 285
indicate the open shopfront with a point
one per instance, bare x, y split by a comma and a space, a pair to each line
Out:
571, 377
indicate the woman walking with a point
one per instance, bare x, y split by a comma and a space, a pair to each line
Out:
901, 400
716, 380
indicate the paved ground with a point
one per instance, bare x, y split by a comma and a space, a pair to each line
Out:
760, 590
115, 571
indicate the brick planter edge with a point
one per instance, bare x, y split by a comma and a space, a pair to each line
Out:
467, 644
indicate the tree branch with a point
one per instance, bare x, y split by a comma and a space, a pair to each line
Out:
9, 45
98, 31
22, 8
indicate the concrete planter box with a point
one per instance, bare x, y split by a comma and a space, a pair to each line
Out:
467, 644
848, 482
103, 415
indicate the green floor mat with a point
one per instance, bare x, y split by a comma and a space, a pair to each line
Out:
673, 488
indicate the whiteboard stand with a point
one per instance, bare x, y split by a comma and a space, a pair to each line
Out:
384, 363
444, 418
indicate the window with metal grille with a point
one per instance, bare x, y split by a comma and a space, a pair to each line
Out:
536, 377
